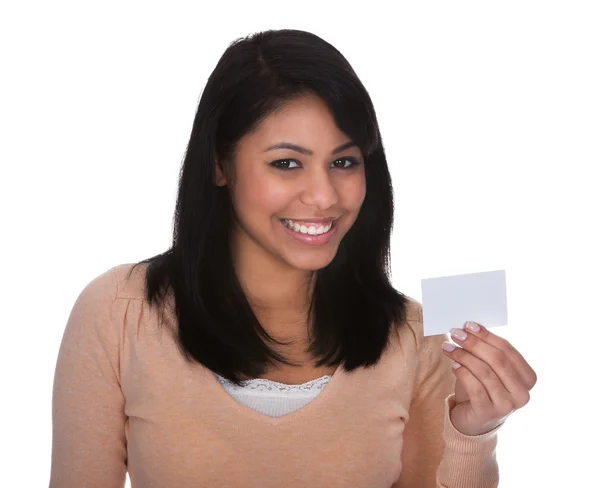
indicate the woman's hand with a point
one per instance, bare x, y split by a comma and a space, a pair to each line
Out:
493, 380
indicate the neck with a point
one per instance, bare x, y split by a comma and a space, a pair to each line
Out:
273, 287
278, 294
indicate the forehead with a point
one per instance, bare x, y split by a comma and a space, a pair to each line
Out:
305, 120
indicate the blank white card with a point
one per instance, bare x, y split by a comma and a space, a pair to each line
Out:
450, 301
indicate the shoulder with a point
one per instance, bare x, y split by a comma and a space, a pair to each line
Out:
100, 293
129, 280
414, 311
413, 330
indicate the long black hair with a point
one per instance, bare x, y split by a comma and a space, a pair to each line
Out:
354, 304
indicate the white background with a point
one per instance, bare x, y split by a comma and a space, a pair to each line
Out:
490, 116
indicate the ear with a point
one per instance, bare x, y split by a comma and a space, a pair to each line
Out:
221, 180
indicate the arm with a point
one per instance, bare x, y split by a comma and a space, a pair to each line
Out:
434, 453
88, 419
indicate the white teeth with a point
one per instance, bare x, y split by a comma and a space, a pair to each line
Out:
310, 230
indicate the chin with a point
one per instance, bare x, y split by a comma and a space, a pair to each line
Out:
315, 267
311, 263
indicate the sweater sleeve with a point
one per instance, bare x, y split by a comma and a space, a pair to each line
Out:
88, 420
435, 454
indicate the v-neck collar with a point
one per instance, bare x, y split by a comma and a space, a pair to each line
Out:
231, 405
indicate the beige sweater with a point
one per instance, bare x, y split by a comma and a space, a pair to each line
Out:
125, 400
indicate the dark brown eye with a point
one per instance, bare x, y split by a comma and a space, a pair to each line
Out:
353, 162
283, 164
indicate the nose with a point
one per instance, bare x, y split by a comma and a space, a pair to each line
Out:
318, 190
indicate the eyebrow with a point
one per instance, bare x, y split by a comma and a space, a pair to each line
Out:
307, 152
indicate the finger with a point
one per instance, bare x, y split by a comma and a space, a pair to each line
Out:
498, 361
500, 397
521, 366
478, 395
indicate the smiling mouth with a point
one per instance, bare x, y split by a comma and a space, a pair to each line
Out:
309, 228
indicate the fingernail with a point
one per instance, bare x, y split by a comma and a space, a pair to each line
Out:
448, 346
472, 326
460, 334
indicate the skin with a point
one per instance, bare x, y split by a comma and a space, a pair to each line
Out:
274, 269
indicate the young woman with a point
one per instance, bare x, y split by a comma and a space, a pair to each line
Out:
267, 347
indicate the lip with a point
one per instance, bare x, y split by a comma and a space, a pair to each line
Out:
314, 240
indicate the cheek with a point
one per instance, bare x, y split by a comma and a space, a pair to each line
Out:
354, 191
260, 195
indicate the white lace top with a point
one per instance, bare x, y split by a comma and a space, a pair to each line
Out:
272, 398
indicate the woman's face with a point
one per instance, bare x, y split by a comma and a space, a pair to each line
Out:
295, 205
